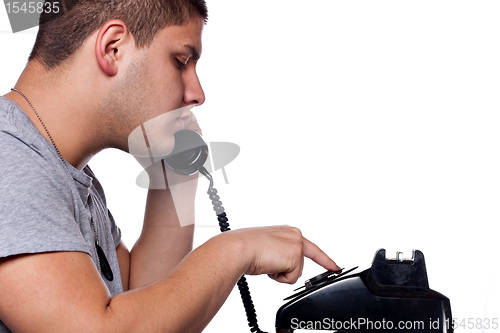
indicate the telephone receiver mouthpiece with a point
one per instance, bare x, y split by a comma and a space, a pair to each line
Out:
189, 154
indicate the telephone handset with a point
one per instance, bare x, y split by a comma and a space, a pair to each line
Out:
188, 157
189, 154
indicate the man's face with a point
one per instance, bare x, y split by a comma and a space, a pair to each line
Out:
158, 87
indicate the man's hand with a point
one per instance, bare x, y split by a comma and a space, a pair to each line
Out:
278, 251
151, 142
154, 139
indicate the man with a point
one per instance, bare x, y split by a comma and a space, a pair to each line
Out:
97, 72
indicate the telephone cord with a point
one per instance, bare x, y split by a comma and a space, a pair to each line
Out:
242, 282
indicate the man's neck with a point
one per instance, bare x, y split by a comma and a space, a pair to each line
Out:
66, 107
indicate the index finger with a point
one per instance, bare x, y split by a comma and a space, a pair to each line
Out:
313, 252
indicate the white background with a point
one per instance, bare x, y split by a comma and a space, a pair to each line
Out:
368, 124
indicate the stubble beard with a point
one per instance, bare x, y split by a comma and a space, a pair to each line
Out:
125, 107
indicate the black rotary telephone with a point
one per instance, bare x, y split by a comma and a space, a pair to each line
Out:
393, 294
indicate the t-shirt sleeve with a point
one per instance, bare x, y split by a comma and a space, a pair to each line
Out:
36, 208
115, 231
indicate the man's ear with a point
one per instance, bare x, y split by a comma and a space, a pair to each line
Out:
110, 42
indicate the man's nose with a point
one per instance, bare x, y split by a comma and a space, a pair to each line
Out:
193, 93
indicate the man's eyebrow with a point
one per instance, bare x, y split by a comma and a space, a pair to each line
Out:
195, 54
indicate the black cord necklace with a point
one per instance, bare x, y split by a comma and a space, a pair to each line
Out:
103, 261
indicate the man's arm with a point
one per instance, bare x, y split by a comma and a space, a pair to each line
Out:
63, 292
167, 232
168, 227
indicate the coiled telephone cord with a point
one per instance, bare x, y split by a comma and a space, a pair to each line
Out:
242, 282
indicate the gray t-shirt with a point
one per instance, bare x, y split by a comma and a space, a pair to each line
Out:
47, 205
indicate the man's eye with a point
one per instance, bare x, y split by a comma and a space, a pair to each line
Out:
180, 64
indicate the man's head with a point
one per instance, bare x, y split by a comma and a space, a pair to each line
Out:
60, 35
117, 64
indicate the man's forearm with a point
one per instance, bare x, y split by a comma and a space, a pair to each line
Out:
187, 299
163, 242
69, 293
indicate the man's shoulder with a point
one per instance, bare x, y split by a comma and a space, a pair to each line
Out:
16, 129
29, 168
22, 147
